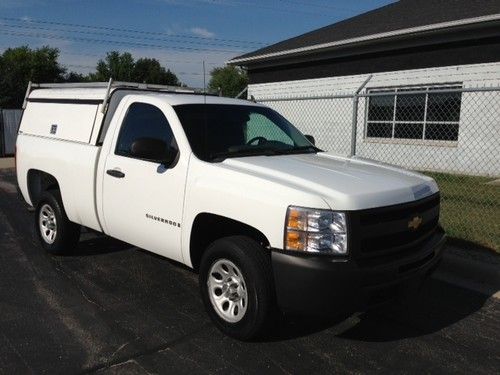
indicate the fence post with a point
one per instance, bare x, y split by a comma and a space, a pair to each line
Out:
354, 129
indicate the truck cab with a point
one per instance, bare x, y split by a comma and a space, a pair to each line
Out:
229, 188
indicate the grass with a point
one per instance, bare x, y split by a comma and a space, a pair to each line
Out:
470, 208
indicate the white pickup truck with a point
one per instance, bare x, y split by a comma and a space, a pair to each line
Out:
227, 187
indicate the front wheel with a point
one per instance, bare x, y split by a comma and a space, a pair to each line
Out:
56, 233
237, 286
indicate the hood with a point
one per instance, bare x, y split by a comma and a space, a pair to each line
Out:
344, 183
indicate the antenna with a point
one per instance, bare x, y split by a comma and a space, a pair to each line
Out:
204, 82
205, 108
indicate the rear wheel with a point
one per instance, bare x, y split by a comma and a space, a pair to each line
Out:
237, 287
56, 233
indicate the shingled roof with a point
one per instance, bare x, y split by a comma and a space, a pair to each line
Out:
403, 15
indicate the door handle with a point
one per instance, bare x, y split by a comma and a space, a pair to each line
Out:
115, 173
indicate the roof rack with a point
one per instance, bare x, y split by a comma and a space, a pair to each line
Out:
110, 85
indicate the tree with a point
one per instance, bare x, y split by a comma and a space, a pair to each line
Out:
123, 67
20, 65
230, 80
116, 65
150, 71
75, 77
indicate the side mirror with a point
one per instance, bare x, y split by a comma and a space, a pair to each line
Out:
170, 156
311, 139
153, 149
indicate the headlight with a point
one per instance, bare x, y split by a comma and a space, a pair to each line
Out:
315, 231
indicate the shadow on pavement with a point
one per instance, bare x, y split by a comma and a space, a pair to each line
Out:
437, 306
97, 245
290, 326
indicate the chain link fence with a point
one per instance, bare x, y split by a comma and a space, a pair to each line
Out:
448, 132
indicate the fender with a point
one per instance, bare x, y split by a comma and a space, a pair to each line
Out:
257, 202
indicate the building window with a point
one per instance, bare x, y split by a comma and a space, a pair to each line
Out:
413, 113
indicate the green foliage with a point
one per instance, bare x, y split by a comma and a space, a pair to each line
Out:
20, 65
470, 208
123, 67
230, 80
116, 65
75, 77
150, 71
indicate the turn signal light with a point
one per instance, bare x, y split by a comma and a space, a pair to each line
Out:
295, 240
297, 219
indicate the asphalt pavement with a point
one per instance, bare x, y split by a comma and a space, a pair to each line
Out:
112, 308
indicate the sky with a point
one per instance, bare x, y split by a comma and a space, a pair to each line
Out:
181, 34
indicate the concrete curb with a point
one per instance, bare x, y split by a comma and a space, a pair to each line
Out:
478, 271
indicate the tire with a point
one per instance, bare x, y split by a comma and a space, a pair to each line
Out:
56, 233
242, 320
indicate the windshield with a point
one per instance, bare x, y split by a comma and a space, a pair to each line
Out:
216, 131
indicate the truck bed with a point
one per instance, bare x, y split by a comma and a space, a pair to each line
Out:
76, 173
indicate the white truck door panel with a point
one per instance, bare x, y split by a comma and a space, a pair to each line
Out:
142, 201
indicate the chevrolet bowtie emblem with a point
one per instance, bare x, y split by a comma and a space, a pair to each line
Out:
414, 223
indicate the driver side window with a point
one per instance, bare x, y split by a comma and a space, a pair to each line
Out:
143, 121
260, 126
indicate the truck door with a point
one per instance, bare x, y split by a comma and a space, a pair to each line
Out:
142, 199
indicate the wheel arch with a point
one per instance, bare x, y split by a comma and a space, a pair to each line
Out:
209, 227
39, 181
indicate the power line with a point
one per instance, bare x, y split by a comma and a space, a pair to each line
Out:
93, 67
263, 6
90, 67
316, 5
161, 60
189, 74
103, 41
79, 66
101, 34
145, 32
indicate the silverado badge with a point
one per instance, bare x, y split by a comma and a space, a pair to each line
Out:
414, 223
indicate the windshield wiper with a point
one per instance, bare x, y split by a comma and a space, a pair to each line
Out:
298, 150
221, 156
262, 151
